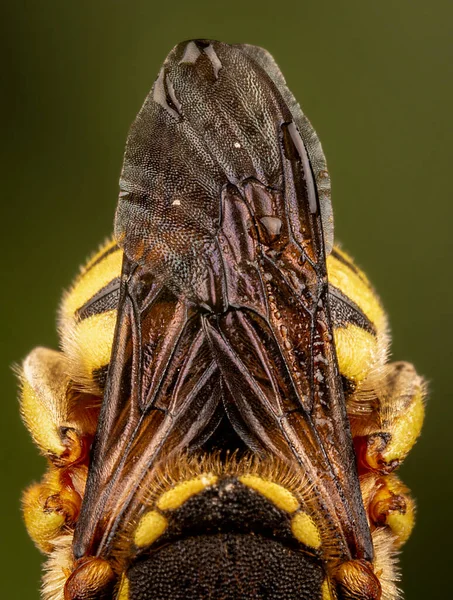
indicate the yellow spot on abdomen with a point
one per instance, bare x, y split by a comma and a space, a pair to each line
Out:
175, 497
357, 351
123, 592
277, 494
92, 281
356, 286
325, 590
151, 526
94, 338
305, 530
106, 248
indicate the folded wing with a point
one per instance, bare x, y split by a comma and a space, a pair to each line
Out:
223, 306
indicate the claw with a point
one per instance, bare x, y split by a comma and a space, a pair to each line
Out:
392, 506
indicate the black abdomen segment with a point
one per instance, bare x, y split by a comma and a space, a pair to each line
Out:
226, 567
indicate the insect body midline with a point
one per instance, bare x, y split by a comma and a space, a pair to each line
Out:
231, 329
137, 470
222, 275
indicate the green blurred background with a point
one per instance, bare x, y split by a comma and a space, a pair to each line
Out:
375, 78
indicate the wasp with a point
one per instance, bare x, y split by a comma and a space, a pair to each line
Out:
221, 420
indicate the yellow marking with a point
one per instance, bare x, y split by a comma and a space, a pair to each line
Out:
105, 248
123, 592
405, 430
356, 287
44, 402
305, 530
43, 526
92, 281
280, 496
402, 524
391, 505
48, 507
40, 420
325, 590
94, 339
357, 351
151, 526
183, 491
346, 257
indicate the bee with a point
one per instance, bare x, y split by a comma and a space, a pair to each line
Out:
221, 420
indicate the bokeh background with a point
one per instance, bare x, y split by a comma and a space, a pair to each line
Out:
375, 78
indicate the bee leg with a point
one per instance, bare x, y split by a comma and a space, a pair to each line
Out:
389, 505
384, 435
61, 422
392, 506
50, 509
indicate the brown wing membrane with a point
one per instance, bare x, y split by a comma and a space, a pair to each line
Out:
162, 394
224, 303
286, 385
